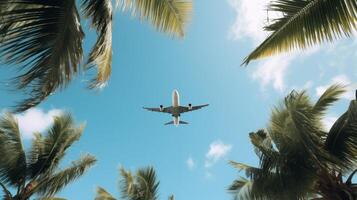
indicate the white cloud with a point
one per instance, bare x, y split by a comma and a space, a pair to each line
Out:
328, 122
35, 120
273, 71
339, 79
250, 19
190, 163
217, 150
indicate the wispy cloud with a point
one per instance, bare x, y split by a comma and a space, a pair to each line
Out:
342, 79
217, 150
273, 72
190, 163
251, 17
35, 120
328, 122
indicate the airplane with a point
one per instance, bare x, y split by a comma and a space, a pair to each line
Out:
176, 109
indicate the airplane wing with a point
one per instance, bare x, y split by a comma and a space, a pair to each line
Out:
187, 109
164, 110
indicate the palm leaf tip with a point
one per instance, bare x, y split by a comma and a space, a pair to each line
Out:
102, 194
169, 16
100, 13
304, 24
330, 95
49, 186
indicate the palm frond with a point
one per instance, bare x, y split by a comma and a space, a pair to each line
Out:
45, 38
12, 155
141, 186
331, 95
342, 138
241, 189
304, 23
172, 197
48, 151
101, 55
127, 184
146, 179
102, 194
49, 186
170, 16
51, 198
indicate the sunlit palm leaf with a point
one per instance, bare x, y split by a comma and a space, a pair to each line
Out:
45, 37
304, 23
146, 179
127, 184
52, 148
342, 138
330, 96
12, 155
100, 11
141, 186
102, 194
169, 16
49, 186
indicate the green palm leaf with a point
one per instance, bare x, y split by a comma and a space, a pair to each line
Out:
169, 16
101, 55
141, 186
49, 186
241, 189
48, 151
342, 138
330, 96
12, 155
47, 65
102, 194
305, 23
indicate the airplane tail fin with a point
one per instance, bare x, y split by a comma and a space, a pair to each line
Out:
172, 122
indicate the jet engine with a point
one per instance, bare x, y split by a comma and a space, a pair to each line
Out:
161, 108
190, 106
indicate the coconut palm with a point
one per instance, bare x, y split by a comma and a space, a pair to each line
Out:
304, 23
299, 159
43, 39
37, 172
139, 186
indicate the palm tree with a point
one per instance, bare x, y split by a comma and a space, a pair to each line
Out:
37, 171
298, 158
304, 23
140, 186
43, 39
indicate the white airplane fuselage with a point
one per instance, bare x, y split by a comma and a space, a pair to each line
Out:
176, 105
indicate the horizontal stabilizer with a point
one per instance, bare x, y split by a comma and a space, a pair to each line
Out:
172, 122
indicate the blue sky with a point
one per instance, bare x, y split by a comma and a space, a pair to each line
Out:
191, 161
